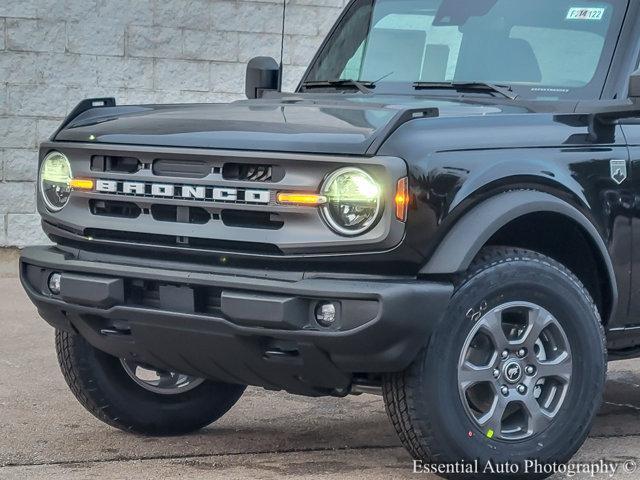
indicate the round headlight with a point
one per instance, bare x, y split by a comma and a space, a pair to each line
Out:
353, 201
55, 178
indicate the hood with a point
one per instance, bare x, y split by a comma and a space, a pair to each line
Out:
338, 124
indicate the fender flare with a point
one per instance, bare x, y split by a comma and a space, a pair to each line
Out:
465, 239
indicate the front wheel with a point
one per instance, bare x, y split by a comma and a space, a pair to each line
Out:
139, 398
513, 376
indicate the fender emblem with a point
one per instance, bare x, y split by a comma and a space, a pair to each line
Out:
618, 169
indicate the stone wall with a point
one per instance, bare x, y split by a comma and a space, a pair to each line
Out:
53, 53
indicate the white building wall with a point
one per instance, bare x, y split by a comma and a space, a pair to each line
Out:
54, 53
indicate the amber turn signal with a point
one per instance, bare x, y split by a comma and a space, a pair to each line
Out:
402, 199
309, 199
81, 184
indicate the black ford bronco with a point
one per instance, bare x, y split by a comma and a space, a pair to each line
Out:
444, 212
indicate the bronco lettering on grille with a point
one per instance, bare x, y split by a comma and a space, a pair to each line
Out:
193, 192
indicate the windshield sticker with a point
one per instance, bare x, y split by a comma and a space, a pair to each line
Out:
580, 13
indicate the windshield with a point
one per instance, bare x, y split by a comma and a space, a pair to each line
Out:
541, 48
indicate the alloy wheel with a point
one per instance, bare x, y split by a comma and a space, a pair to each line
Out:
514, 371
160, 381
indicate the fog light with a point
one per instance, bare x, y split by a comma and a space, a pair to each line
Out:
326, 314
54, 283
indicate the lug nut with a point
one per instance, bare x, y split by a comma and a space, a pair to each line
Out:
530, 370
496, 373
522, 352
522, 389
505, 354
504, 390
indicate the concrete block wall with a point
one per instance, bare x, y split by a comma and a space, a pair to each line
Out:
53, 53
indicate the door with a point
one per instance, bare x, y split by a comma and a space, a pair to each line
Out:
629, 199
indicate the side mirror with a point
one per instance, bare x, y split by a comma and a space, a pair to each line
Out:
263, 74
601, 120
634, 87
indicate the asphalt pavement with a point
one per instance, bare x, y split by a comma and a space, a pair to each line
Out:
46, 434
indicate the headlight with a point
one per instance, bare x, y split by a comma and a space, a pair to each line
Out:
353, 201
55, 180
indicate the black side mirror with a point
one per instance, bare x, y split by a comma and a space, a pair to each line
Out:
602, 119
263, 74
634, 87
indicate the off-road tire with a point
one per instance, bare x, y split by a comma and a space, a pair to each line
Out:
102, 386
423, 402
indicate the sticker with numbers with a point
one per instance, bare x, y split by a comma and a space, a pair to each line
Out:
580, 13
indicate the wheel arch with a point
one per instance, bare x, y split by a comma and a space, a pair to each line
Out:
491, 222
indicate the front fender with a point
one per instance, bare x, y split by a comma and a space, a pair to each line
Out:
465, 239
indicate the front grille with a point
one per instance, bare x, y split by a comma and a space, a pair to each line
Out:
212, 200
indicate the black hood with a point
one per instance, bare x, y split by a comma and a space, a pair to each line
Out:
339, 124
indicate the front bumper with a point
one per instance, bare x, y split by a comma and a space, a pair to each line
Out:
238, 326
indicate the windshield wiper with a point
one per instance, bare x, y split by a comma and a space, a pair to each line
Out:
504, 90
363, 86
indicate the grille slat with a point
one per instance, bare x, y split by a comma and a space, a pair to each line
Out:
184, 168
116, 164
172, 213
150, 239
252, 173
114, 209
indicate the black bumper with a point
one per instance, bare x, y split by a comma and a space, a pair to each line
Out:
237, 328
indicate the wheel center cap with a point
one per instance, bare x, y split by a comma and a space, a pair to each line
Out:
512, 372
